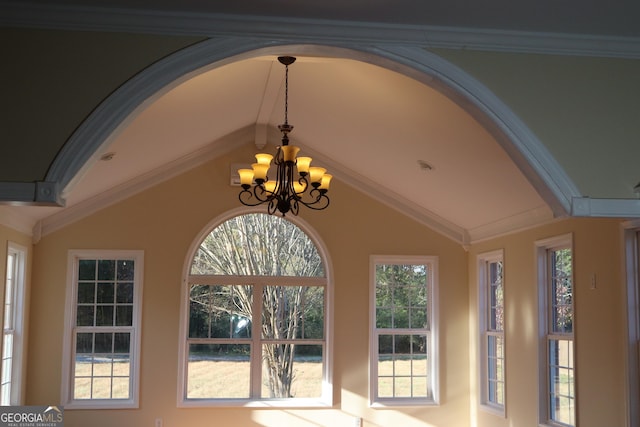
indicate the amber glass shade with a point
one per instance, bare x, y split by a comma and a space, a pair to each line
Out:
289, 152
246, 176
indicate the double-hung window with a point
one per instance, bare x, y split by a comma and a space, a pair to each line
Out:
491, 321
13, 326
102, 335
556, 314
404, 331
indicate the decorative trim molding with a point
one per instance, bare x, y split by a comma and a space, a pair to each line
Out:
24, 14
519, 222
86, 144
44, 193
612, 208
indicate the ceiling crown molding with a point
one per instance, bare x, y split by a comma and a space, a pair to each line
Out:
26, 15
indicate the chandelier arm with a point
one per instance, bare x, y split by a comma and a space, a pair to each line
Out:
272, 207
258, 192
248, 195
322, 202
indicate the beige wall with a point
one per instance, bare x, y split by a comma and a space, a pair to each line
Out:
164, 220
599, 323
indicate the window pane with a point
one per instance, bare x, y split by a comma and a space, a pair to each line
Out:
419, 318
124, 294
293, 312
82, 388
218, 371
85, 315
103, 342
120, 388
125, 269
105, 293
302, 376
267, 245
106, 269
101, 388
84, 343
86, 293
400, 316
385, 344
87, 269
104, 315
496, 297
124, 315
383, 318
121, 342
385, 387
561, 291
220, 311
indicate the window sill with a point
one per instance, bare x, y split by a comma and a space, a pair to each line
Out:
244, 403
392, 404
101, 404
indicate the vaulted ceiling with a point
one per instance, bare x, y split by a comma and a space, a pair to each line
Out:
377, 125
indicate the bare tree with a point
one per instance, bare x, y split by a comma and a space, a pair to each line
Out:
260, 245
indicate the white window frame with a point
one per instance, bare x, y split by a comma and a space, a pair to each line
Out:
543, 248
484, 288
16, 328
69, 352
326, 400
631, 235
432, 341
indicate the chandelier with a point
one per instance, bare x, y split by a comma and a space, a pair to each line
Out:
296, 181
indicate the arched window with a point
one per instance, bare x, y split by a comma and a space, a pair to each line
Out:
255, 327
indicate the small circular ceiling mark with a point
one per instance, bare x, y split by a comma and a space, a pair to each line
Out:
107, 156
425, 166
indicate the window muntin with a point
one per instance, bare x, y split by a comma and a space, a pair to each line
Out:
403, 368
13, 327
557, 384
102, 341
491, 321
256, 317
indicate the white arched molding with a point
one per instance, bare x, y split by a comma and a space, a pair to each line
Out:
534, 160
